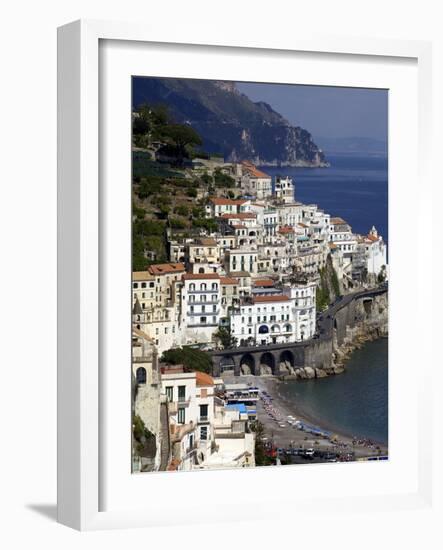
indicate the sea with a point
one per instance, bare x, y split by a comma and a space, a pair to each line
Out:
355, 188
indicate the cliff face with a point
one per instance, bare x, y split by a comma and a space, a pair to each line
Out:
230, 123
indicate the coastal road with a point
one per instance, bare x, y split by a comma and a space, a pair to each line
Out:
325, 321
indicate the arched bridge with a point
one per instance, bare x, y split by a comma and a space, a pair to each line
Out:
316, 352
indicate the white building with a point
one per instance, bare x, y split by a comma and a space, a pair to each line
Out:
375, 249
340, 233
254, 182
200, 306
219, 206
242, 259
146, 397
190, 397
273, 319
284, 190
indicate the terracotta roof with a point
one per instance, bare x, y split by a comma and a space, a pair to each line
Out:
142, 276
205, 241
372, 238
198, 276
261, 299
239, 274
226, 202
238, 226
162, 269
286, 229
254, 171
338, 221
204, 379
332, 245
240, 216
302, 225
263, 282
228, 281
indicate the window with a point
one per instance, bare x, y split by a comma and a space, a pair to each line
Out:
214, 308
182, 393
204, 433
203, 412
181, 415
135, 285
202, 320
141, 375
170, 393
151, 285
143, 285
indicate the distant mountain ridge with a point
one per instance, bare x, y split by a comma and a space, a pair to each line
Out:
230, 123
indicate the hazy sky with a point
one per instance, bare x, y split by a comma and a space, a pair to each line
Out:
327, 111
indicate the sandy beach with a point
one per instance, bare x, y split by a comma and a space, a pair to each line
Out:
283, 435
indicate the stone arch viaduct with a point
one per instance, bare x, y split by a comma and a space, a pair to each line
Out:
316, 353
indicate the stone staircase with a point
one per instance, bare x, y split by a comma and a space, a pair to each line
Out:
165, 443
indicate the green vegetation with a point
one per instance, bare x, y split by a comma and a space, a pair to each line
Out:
192, 359
223, 180
329, 287
224, 336
147, 236
164, 196
206, 223
143, 438
261, 459
144, 166
335, 283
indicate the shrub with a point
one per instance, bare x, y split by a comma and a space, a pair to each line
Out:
192, 359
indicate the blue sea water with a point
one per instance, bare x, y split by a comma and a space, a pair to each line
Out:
354, 403
354, 188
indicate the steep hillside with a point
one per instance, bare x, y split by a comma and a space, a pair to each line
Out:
229, 122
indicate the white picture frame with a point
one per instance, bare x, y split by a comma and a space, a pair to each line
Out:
84, 215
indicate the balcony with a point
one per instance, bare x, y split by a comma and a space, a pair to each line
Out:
203, 419
183, 400
206, 291
203, 302
199, 325
203, 313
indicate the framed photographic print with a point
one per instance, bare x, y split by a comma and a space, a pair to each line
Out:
231, 275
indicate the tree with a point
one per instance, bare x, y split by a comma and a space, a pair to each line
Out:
381, 277
181, 137
192, 359
225, 337
261, 459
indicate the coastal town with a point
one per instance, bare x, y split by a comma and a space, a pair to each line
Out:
260, 271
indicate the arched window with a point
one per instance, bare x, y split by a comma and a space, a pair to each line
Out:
201, 270
141, 375
214, 286
192, 287
203, 286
